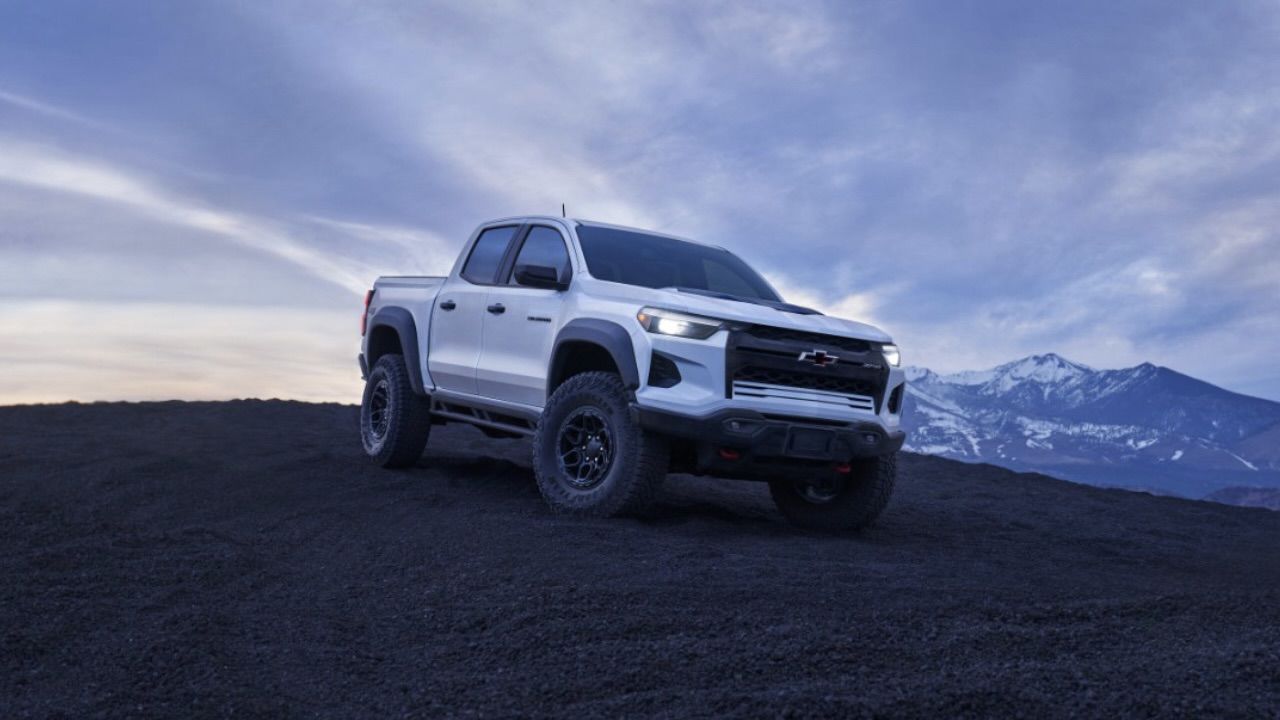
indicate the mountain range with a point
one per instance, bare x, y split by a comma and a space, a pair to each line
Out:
1143, 428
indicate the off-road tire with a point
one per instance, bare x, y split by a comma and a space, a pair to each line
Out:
408, 415
862, 496
638, 458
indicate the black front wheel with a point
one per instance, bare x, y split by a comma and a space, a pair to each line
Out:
394, 421
590, 456
841, 500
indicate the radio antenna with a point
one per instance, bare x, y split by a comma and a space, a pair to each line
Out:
562, 214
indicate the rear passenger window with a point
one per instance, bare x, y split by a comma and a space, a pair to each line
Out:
544, 246
486, 256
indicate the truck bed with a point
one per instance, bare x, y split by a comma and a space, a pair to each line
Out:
417, 295
408, 281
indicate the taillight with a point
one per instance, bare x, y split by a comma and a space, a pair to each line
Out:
364, 316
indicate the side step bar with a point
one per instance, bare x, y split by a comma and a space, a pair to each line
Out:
498, 416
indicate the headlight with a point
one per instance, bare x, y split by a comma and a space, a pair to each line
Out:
891, 354
669, 322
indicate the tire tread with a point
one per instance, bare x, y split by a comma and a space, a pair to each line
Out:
855, 509
644, 463
410, 423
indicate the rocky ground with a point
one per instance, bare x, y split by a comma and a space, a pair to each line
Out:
242, 558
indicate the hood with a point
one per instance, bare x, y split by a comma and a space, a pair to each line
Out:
739, 310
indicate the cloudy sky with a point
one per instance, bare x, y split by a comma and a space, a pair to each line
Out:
193, 196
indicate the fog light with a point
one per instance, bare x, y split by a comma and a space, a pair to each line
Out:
728, 454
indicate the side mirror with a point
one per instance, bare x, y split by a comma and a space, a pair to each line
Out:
539, 276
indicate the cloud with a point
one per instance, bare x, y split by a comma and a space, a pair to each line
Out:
46, 169
981, 181
47, 110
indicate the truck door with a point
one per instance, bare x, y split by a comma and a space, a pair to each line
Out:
457, 323
521, 321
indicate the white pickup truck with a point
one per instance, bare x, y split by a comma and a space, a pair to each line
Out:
627, 354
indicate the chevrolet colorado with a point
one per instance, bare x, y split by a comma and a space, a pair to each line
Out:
627, 354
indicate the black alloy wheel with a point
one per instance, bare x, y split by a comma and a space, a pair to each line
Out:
378, 418
394, 420
585, 447
590, 455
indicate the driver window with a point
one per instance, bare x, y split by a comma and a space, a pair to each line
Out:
544, 246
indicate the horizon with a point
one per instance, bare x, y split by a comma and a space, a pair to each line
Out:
194, 197
908, 367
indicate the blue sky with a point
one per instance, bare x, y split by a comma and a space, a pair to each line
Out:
193, 196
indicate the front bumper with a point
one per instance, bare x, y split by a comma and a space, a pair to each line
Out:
758, 438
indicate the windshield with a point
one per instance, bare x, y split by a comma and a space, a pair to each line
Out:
636, 258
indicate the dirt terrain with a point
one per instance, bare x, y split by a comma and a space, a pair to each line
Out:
214, 559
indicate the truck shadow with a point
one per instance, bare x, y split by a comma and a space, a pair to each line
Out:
502, 479
498, 474
689, 505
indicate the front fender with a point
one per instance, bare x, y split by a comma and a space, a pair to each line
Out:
609, 335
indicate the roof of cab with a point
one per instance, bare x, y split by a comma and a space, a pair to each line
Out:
595, 223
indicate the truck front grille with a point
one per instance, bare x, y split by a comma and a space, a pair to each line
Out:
807, 381
777, 363
791, 393
799, 337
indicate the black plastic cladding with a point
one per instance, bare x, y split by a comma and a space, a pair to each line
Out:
895, 399
663, 372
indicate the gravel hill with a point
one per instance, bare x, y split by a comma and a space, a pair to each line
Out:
215, 559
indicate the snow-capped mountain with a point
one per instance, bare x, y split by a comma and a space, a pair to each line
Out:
1142, 427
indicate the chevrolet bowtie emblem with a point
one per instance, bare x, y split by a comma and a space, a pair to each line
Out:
818, 357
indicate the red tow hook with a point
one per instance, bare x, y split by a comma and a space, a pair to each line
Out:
844, 468
729, 454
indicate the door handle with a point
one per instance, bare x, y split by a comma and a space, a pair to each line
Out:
448, 305
497, 308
